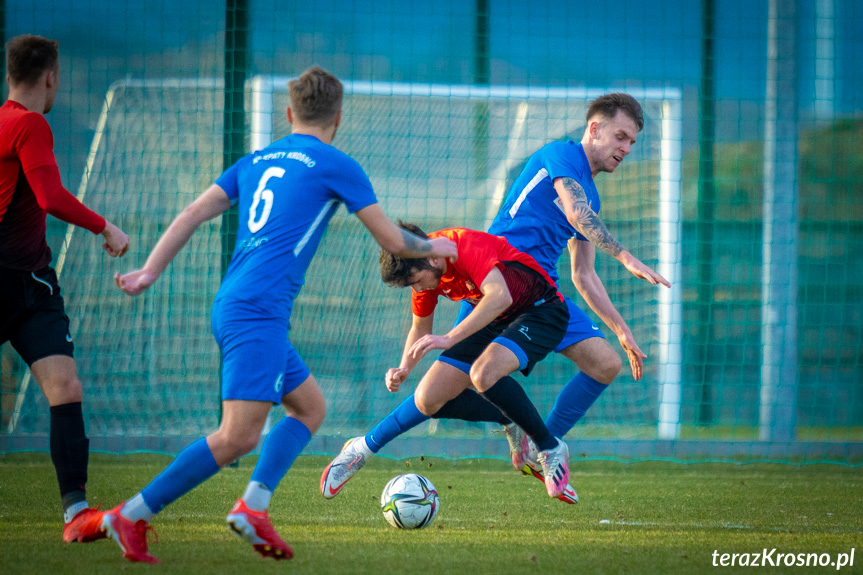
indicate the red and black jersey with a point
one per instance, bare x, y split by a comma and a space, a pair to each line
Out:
478, 254
30, 188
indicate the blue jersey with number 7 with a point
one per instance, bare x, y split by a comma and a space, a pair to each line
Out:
287, 193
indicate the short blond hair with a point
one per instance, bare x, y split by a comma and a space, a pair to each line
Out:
316, 97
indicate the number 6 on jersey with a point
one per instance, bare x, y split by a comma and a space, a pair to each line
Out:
267, 195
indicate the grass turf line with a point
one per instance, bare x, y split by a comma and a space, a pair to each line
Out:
661, 518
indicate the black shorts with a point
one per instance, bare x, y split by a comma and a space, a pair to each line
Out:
530, 336
32, 315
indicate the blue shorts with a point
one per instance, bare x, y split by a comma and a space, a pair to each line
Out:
258, 361
580, 326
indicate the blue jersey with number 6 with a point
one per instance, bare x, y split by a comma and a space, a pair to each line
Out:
286, 194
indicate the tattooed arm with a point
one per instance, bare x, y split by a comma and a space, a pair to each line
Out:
400, 242
585, 220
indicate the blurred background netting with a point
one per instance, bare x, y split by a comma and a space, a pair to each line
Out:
745, 188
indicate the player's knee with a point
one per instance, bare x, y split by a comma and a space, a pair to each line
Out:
307, 405
246, 444
312, 416
483, 376
606, 369
425, 405
613, 367
239, 444
63, 389
316, 418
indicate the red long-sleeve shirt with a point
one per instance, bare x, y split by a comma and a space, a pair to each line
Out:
30, 188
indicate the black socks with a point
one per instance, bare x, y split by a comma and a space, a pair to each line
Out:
70, 451
509, 397
469, 406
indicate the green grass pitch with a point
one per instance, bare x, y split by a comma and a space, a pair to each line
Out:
633, 518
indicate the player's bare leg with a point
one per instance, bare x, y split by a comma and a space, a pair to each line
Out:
441, 383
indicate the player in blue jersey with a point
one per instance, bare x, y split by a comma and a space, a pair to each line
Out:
552, 205
286, 195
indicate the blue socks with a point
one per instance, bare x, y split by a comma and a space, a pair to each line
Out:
574, 400
281, 447
193, 466
404, 417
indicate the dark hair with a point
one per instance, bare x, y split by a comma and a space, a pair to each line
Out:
29, 56
316, 97
396, 271
608, 105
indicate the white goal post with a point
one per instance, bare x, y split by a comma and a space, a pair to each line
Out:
263, 89
515, 133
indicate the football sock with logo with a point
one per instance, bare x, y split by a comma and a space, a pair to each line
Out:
70, 452
404, 417
470, 406
192, 466
284, 443
573, 401
509, 397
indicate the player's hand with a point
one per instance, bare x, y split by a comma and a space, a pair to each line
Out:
427, 343
443, 248
640, 270
116, 242
134, 283
634, 353
395, 377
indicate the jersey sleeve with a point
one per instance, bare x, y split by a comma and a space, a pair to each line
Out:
477, 256
424, 303
35, 149
228, 181
556, 162
35, 144
353, 187
57, 201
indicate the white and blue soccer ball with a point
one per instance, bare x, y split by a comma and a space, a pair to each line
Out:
410, 501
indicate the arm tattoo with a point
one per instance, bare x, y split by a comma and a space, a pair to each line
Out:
588, 223
415, 245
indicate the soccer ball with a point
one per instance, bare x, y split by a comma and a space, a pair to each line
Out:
409, 501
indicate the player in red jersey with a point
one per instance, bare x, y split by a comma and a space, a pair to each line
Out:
32, 314
518, 318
